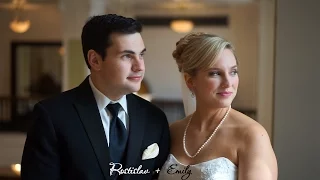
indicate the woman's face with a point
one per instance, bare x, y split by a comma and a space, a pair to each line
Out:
216, 86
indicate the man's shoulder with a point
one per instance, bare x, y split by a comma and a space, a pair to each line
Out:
59, 100
143, 103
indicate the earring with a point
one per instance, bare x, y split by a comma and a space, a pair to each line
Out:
192, 94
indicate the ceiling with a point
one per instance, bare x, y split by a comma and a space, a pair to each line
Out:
28, 4
173, 6
138, 6
142, 2
32, 1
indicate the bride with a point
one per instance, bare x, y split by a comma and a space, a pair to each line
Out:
214, 142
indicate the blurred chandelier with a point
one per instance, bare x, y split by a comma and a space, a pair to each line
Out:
181, 26
18, 25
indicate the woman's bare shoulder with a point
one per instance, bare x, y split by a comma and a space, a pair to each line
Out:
255, 152
178, 125
248, 127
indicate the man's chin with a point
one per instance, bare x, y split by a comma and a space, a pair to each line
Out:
133, 89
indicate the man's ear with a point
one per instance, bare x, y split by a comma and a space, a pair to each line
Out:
94, 60
188, 80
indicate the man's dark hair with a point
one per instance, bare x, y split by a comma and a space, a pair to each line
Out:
98, 29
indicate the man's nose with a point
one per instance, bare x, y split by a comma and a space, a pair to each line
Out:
138, 64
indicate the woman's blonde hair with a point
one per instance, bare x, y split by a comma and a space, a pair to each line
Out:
198, 51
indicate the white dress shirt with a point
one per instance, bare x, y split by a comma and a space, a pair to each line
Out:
102, 102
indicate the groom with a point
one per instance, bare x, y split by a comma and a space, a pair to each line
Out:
100, 130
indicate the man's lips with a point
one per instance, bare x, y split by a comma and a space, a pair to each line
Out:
135, 78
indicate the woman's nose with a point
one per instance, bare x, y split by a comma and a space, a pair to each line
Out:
226, 82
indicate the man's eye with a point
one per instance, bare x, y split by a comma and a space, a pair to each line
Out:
126, 56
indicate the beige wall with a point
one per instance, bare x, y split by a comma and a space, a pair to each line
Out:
76, 63
11, 148
297, 87
45, 26
265, 69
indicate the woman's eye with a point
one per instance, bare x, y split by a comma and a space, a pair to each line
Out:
213, 73
234, 72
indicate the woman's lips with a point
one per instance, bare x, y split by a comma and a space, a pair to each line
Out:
225, 94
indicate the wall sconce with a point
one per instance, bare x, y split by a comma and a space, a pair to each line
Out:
181, 26
16, 168
144, 91
62, 51
19, 26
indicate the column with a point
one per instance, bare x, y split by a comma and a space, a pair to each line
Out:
75, 14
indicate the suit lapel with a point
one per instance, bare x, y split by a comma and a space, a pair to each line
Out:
89, 114
137, 123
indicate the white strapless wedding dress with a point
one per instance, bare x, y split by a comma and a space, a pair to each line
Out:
216, 169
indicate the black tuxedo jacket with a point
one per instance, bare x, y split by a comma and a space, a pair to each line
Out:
67, 139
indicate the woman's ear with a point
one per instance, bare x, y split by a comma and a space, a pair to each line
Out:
188, 80
94, 60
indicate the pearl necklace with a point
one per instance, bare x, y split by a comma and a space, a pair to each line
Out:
206, 142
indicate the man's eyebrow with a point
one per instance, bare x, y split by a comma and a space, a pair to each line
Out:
127, 52
132, 52
143, 51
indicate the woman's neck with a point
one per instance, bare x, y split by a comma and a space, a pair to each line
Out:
205, 118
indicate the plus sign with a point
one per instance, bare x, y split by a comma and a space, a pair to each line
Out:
158, 170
